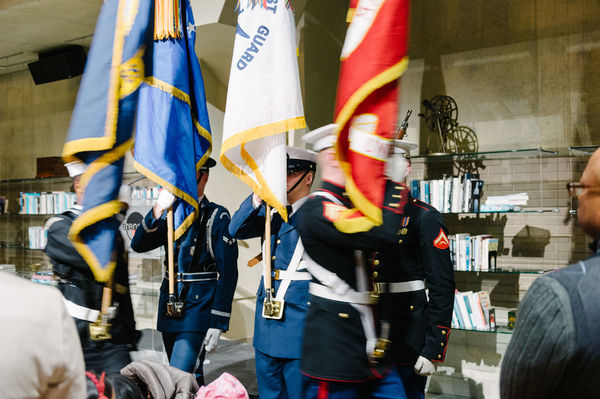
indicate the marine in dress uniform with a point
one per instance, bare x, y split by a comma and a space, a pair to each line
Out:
278, 342
420, 321
340, 328
82, 294
206, 276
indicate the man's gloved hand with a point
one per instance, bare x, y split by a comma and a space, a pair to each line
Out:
124, 193
164, 201
212, 339
424, 367
256, 200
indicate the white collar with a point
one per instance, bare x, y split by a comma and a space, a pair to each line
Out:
77, 209
298, 204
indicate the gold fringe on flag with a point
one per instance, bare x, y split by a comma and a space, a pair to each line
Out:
166, 19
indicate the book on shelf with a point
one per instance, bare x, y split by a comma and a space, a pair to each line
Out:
37, 237
46, 203
463, 310
508, 199
485, 303
476, 192
3, 204
473, 311
414, 189
473, 253
450, 194
447, 205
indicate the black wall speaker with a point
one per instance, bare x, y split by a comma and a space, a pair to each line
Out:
58, 64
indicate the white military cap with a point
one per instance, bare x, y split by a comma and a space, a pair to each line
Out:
75, 168
321, 138
300, 159
404, 147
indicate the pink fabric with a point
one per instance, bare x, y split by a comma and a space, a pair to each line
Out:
224, 387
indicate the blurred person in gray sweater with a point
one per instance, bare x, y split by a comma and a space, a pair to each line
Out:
554, 351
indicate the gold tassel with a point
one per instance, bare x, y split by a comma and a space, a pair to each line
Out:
166, 19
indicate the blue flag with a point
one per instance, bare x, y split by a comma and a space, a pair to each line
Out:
121, 58
172, 128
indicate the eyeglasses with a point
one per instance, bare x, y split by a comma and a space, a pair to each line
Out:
576, 189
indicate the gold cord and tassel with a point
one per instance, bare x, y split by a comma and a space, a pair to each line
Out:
167, 19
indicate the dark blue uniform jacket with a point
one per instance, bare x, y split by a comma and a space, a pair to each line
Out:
207, 304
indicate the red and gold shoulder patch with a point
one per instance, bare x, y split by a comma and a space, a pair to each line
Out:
441, 241
332, 211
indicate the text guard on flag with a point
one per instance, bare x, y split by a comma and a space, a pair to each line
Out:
264, 99
373, 57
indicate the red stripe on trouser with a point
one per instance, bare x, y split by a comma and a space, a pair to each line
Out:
323, 392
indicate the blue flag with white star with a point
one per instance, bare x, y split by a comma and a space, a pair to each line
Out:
172, 128
169, 112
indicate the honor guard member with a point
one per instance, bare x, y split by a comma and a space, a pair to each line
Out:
420, 258
206, 276
277, 339
342, 356
83, 294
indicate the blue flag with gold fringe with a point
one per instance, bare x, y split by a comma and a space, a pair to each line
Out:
123, 55
172, 127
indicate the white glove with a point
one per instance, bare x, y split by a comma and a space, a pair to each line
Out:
125, 193
424, 367
212, 339
256, 200
164, 201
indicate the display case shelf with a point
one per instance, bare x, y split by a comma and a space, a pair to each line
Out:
126, 175
498, 330
583, 150
486, 155
507, 271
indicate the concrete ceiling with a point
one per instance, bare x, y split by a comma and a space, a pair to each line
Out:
28, 27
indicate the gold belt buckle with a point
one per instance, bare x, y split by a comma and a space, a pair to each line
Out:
375, 293
273, 309
381, 346
100, 329
276, 274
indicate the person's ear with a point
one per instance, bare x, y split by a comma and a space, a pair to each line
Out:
309, 178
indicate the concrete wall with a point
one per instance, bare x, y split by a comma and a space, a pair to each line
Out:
33, 121
523, 71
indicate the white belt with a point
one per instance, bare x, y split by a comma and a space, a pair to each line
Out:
278, 274
350, 296
81, 312
403, 286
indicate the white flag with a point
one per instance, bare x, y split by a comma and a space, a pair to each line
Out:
264, 100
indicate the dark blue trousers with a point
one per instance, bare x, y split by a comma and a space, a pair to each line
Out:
414, 384
389, 387
183, 350
278, 378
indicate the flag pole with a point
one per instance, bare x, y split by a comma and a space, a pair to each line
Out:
100, 329
174, 308
170, 252
268, 309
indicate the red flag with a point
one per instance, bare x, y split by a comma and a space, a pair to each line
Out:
374, 56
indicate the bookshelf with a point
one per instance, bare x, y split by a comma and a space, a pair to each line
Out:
534, 238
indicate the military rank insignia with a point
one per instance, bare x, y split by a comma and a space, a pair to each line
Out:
332, 211
441, 241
